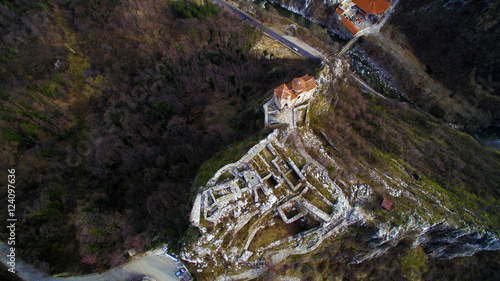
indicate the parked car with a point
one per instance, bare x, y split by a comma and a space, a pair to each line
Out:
179, 272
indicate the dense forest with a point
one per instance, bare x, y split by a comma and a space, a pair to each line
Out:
108, 108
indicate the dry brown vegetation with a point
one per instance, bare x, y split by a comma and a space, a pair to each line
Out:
458, 42
315, 198
279, 231
405, 72
107, 143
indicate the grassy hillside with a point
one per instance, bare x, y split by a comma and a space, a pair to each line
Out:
108, 108
373, 132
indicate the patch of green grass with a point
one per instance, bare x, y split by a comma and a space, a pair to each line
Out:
279, 231
240, 237
230, 155
315, 199
225, 176
260, 167
414, 263
191, 235
314, 182
293, 177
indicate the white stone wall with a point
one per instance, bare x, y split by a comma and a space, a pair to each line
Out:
246, 158
308, 95
278, 102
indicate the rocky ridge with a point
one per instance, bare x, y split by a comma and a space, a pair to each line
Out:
280, 187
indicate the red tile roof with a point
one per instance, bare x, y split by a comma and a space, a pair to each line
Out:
293, 95
310, 82
339, 11
386, 204
373, 6
353, 29
296, 87
282, 91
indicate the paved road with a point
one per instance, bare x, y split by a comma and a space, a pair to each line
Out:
244, 16
160, 267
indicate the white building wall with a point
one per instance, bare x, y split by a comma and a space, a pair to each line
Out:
307, 95
301, 98
277, 101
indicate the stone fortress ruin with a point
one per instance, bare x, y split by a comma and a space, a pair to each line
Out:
271, 189
274, 202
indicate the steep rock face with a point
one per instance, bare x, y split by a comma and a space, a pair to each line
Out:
445, 242
440, 240
307, 8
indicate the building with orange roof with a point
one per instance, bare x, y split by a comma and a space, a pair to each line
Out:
297, 91
372, 6
282, 91
360, 14
339, 10
352, 28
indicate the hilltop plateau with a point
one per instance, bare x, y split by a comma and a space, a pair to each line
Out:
138, 124
323, 185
